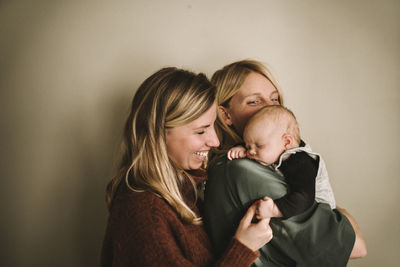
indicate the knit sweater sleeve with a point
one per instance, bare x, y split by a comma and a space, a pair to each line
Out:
237, 254
152, 236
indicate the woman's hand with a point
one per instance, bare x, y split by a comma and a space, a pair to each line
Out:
360, 246
253, 235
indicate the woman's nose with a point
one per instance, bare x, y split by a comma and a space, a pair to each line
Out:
212, 140
269, 103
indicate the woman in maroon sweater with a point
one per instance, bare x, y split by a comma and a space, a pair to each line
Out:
154, 213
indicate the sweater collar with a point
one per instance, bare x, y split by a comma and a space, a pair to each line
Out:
199, 175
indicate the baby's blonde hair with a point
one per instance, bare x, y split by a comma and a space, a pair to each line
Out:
278, 114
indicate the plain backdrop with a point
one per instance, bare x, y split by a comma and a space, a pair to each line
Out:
69, 69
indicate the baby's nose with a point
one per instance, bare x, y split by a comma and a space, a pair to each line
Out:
252, 152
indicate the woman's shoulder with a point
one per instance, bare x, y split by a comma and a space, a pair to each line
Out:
239, 167
245, 175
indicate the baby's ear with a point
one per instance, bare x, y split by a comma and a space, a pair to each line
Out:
288, 141
226, 117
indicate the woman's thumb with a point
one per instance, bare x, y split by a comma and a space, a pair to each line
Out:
248, 217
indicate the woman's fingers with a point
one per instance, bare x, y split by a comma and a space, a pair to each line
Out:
264, 229
264, 225
253, 235
248, 217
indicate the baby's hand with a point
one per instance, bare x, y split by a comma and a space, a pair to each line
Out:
236, 152
266, 208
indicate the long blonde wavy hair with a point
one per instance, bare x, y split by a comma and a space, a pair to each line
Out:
169, 98
228, 81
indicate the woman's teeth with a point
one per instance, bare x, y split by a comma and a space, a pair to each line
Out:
202, 154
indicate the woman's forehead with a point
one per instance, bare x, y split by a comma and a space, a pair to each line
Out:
255, 92
256, 84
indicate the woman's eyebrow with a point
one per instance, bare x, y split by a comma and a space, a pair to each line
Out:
274, 92
254, 94
202, 126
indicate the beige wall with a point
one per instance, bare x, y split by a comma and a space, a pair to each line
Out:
68, 70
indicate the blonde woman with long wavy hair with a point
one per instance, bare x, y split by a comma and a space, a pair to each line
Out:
154, 216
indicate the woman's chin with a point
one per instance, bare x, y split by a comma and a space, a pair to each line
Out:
196, 165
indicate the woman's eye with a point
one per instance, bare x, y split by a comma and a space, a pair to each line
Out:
275, 99
201, 132
253, 102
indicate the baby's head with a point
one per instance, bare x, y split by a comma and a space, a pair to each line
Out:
270, 132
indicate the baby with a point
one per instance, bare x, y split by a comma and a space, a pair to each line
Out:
272, 138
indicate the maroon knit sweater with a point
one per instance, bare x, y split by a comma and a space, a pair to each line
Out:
143, 230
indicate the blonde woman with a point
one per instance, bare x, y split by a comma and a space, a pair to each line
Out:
319, 236
154, 218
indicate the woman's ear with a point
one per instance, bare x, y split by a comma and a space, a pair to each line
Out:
225, 115
288, 141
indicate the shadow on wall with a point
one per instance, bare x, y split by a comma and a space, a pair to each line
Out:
97, 151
